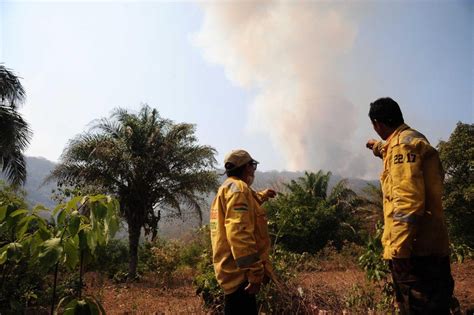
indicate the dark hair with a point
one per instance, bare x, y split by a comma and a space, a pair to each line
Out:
386, 111
236, 172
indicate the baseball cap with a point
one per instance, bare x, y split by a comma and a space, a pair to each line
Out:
237, 158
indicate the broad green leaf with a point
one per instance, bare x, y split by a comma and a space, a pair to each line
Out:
3, 212
96, 198
70, 307
50, 253
94, 308
74, 223
113, 226
83, 308
99, 210
99, 305
72, 204
44, 233
18, 212
83, 245
71, 251
61, 216
14, 251
36, 242
91, 240
57, 209
3, 257
22, 226
38, 208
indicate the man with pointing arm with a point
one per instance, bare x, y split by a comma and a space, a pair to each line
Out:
415, 237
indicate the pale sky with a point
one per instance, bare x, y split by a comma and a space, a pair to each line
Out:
289, 81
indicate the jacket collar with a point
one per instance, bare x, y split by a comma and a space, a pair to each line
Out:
394, 137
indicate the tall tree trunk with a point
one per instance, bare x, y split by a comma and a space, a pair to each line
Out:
134, 229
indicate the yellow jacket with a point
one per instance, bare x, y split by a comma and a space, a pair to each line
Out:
412, 185
239, 235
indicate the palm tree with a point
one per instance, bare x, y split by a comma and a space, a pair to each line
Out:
372, 210
151, 164
309, 215
14, 131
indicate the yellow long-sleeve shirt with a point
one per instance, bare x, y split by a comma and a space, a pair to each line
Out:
239, 235
412, 185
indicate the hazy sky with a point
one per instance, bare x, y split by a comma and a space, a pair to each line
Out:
289, 81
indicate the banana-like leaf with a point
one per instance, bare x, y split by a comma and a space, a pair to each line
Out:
22, 226
71, 252
51, 251
74, 223
99, 210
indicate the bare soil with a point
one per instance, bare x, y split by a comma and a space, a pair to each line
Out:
177, 295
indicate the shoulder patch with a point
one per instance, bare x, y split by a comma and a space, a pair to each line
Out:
233, 187
409, 135
407, 140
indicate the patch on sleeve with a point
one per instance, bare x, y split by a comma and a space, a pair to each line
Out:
407, 140
408, 218
234, 188
240, 207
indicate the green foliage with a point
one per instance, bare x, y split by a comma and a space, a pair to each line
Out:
371, 260
459, 252
85, 306
273, 298
376, 268
205, 280
457, 157
14, 132
150, 163
307, 218
31, 246
22, 278
112, 259
361, 298
161, 257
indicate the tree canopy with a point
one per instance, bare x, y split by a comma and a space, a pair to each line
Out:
150, 163
457, 157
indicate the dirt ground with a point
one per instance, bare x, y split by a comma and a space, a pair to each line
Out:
150, 296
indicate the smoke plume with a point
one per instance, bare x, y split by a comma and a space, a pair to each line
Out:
290, 53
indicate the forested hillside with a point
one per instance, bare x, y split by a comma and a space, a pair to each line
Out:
40, 192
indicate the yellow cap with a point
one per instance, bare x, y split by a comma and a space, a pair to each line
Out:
237, 158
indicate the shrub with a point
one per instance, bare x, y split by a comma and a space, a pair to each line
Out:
31, 248
112, 258
307, 217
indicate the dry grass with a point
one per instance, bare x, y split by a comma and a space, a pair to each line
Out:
312, 292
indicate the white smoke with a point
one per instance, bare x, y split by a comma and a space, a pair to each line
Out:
291, 53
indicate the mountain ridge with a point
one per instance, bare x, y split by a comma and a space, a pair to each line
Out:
40, 192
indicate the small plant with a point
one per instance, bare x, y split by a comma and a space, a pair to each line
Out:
459, 252
376, 268
205, 280
361, 298
68, 241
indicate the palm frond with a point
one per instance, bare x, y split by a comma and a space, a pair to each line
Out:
11, 91
15, 136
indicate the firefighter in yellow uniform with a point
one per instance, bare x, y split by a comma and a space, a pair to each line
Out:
415, 237
239, 235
